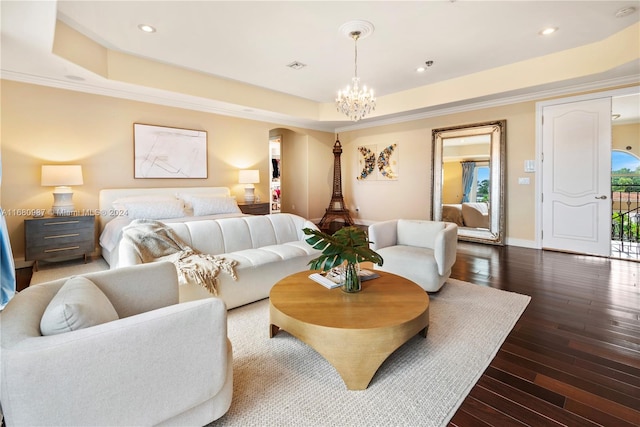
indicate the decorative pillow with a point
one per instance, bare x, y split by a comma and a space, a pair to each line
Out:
214, 205
188, 197
119, 203
78, 304
154, 209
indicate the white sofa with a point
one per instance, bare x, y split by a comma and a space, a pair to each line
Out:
421, 251
159, 363
267, 248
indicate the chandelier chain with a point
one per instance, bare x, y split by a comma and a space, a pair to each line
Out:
355, 102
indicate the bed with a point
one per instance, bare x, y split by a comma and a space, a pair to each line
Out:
472, 215
452, 213
119, 206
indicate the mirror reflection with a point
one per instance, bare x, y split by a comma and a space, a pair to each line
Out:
468, 167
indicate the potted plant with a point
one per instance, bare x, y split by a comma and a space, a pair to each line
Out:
348, 245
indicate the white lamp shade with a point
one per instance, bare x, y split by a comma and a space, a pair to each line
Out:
249, 176
61, 175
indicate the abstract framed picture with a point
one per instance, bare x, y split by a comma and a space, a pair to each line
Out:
167, 152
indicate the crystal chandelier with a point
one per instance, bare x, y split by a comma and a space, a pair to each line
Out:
353, 101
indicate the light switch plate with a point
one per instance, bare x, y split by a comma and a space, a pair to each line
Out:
529, 165
523, 181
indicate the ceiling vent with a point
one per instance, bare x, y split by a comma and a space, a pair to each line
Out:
296, 65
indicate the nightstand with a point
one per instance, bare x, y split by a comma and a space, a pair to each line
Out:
254, 208
49, 238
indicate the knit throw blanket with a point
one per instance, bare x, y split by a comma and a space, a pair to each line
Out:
155, 241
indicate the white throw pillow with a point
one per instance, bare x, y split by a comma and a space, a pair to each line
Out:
154, 209
119, 203
188, 197
214, 205
78, 304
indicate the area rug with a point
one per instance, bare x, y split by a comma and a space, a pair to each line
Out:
283, 382
58, 270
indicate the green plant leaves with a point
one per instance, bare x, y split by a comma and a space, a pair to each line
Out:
349, 244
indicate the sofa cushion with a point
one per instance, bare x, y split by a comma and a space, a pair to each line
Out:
418, 233
78, 304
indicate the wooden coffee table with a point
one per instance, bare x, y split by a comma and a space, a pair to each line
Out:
354, 332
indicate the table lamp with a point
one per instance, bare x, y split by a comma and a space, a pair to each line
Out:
249, 177
62, 177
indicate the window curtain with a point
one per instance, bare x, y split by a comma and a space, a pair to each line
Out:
467, 179
8, 272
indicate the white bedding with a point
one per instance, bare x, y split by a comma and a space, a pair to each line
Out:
111, 226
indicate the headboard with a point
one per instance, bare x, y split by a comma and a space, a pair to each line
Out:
108, 195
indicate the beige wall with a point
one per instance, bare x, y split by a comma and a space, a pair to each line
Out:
623, 136
42, 125
452, 182
410, 195
46, 125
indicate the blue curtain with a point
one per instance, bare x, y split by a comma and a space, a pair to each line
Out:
467, 179
8, 272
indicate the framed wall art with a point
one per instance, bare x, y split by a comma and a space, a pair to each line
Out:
166, 152
377, 163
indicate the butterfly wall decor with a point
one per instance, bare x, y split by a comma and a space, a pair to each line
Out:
378, 163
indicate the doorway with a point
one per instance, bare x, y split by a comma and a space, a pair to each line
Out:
574, 209
275, 172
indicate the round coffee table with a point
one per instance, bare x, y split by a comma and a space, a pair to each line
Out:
354, 332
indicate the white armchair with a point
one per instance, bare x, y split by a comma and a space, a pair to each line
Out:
159, 363
421, 251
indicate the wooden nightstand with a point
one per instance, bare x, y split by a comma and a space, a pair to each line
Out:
254, 208
49, 238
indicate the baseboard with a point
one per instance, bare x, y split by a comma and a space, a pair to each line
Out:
531, 244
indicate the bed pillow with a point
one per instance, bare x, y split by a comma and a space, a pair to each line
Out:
154, 209
78, 304
214, 205
119, 203
188, 197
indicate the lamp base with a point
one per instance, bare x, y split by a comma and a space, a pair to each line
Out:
249, 194
62, 204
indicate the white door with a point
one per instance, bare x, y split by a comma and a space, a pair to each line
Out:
576, 180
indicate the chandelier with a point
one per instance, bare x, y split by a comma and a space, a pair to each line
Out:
354, 101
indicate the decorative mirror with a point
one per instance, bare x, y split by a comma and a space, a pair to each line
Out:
468, 174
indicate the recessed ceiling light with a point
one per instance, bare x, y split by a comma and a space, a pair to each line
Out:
146, 28
548, 30
424, 67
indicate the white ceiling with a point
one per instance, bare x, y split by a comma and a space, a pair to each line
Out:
252, 42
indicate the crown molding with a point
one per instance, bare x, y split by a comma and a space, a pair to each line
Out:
497, 102
172, 99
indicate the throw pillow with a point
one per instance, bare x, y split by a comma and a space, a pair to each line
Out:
154, 209
78, 304
214, 205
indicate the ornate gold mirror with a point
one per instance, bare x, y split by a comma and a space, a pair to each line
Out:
468, 174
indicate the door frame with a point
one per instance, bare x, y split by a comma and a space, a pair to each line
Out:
539, 109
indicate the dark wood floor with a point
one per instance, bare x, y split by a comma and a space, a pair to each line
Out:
573, 358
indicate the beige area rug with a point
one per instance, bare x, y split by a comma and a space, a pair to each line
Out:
283, 382
48, 271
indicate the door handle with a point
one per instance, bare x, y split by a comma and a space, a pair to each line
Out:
601, 197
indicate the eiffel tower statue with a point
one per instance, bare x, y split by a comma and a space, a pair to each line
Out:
336, 209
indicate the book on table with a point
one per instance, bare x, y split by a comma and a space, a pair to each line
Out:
333, 278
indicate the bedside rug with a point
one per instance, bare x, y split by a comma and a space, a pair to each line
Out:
283, 382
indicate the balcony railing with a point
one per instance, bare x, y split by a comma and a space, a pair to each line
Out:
625, 226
